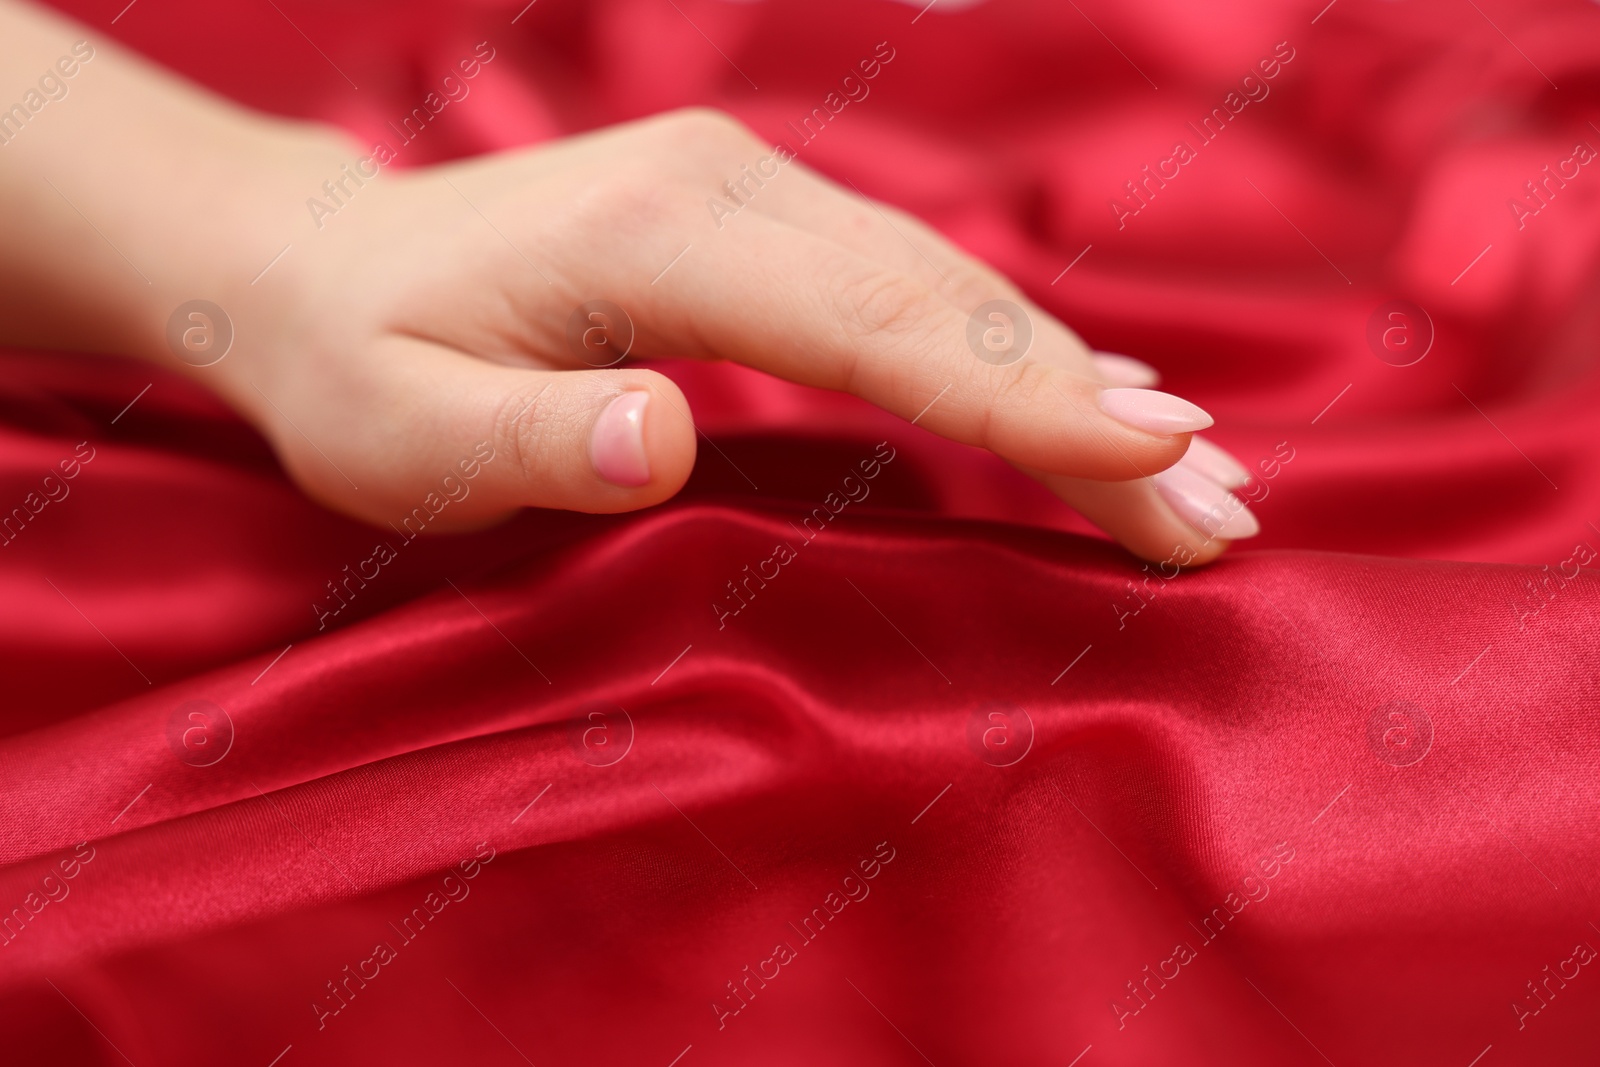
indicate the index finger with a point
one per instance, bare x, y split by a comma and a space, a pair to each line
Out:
807, 309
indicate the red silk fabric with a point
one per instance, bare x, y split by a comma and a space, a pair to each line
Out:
958, 783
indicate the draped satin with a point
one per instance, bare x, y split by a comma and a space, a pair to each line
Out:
915, 770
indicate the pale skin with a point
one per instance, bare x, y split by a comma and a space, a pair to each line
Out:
431, 312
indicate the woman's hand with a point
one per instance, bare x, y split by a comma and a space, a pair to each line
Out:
425, 311
438, 308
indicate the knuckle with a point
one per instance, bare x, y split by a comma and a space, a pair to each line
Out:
708, 130
963, 279
1027, 383
523, 428
626, 201
884, 307
969, 285
1027, 386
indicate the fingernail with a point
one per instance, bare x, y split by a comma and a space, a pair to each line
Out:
1205, 505
1124, 370
1153, 412
1215, 464
616, 445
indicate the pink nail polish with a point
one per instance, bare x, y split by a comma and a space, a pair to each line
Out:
1153, 412
1205, 505
616, 445
1125, 371
1214, 463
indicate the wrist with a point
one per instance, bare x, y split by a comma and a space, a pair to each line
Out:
231, 275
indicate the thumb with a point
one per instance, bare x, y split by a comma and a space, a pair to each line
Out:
599, 441
471, 441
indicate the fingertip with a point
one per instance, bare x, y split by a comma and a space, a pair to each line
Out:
1209, 552
1114, 434
616, 442
1205, 504
1153, 411
643, 439
1176, 518
1216, 464
1100, 443
1124, 371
